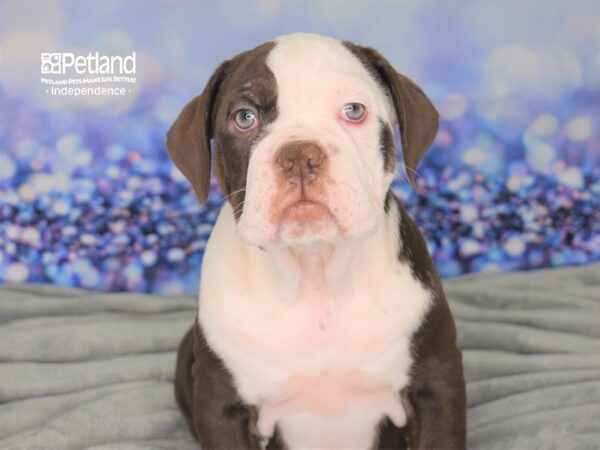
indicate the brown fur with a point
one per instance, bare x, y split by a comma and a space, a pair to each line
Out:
208, 116
388, 146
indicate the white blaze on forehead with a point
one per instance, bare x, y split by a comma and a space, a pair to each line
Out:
311, 70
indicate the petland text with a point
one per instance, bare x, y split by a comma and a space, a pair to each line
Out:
91, 64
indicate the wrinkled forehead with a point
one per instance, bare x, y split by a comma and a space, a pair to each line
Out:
314, 56
249, 77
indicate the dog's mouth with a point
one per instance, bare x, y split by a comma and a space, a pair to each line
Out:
306, 221
305, 210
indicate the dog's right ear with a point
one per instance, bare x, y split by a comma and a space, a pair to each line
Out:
188, 140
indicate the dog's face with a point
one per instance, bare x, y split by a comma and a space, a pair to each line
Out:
303, 138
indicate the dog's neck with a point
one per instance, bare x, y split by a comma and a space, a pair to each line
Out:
310, 271
330, 269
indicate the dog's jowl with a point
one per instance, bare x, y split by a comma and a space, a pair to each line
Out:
321, 322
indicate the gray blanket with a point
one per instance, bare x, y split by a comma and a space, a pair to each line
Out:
91, 370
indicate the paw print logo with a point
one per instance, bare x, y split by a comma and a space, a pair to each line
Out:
51, 63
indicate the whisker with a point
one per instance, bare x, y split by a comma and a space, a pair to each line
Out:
413, 171
238, 207
227, 197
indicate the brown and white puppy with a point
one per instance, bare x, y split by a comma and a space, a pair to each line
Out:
322, 322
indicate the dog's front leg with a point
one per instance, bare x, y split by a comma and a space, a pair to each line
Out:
438, 406
219, 419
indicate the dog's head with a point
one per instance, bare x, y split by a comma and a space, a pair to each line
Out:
303, 138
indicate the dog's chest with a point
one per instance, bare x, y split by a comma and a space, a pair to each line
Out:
324, 368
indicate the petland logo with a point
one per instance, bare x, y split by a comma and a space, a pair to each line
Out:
67, 74
92, 64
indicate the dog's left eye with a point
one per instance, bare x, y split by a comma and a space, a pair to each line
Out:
353, 112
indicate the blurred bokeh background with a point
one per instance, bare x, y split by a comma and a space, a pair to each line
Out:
88, 196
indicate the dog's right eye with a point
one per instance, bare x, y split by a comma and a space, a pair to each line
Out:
245, 120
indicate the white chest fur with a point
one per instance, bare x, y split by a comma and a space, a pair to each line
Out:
321, 346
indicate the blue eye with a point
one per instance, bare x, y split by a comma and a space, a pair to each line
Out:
354, 112
245, 119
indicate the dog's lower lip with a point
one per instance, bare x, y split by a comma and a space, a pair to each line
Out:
305, 210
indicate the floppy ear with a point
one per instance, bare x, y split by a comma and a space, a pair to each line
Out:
188, 140
417, 117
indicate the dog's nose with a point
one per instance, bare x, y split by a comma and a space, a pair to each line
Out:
301, 159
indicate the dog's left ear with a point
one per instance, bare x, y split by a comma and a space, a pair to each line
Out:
188, 140
417, 117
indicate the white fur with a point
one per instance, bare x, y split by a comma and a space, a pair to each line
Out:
304, 328
270, 317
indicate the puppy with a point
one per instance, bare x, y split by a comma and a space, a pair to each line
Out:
322, 322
